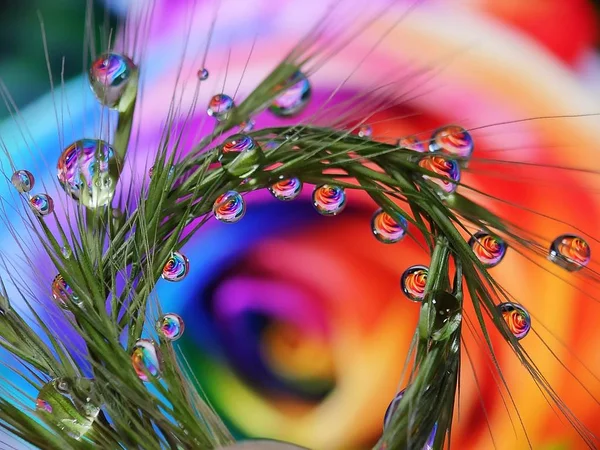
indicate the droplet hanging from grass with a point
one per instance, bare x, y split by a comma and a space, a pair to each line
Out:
517, 319
452, 140
388, 228
286, 189
111, 80
293, 99
203, 74
170, 327
329, 200
365, 131
42, 204
413, 282
229, 207
446, 168
570, 252
489, 249
23, 180
220, 107
145, 359
241, 155
411, 143
176, 268
63, 294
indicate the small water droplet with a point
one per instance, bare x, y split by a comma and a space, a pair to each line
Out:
176, 268
329, 200
42, 204
411, 143
570, 252
110, 77
365, 131
452, 140
63, 293
170, 327
203, 74
286, 189
489, 249
516, 317
446, 168
241, 155
440, 317
145, 359
220, 107
66, 252
387, 228
23, 180
247, 126
413, 282
293, 99
229, 207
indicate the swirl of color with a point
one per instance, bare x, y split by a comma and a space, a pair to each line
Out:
145, 359
63, 293
517, 319
229, 207
42, 204
110, 75
388, 228
365, 131
452, 140
176, 268
220, 106
170, 326
413, 282
489, 249
329, 200
286, 189
447, 168
84, 172
203, 74
294, 98
240, 155
570, 252
22, 180
43, 405
412, 143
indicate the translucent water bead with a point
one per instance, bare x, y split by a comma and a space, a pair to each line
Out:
42, 204
176, 268
440, 316
170, 327
411, 143
413, 282
452, 140
23, 180
286, 189
110, 79
365, 131
86, 172
145, 359
240, 155
517, 319
447, 168
391, 409
489, 249
570, 252
229, 207
387, 228
220, 106
329, 200
63, 293
293, 99
67, 403
203, 74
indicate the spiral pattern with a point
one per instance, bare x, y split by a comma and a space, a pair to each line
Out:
517, 319
42, 204
176, 268
413, 282
387, 228
489, 249
329, 200
109, 77
63, 293
412, 143
170, 327
570, 251
145, 359
452, 140
444, 167
220, 106
229, 207
293, 99
22, 180
287, 189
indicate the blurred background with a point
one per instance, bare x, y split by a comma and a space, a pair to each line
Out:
296, 325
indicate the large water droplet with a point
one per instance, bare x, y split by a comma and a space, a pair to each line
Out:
176, 268
63, 293
517, 319
85, 171
293, 99
23, 180
241, 155
42, 204
220, 107
570, 252
170, 327
447, 168
110, 79
489, 249
329, 200
229, 207
440, 316
452, 140
67, 403
388, 228
145, 359
413, 282
286, 189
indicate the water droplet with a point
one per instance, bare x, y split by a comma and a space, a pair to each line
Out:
145, 359
169, 175
387, 228
413, 282
67, 403
365, 131
23, 180
247, 126
110, 77
66, 252
84, 172
329, 200
452, 140
42, 204
286, 189
411, 143
440, 317
63, 293
170, 327
176, 268
444, 167
241, 155
489, 249
229, 207
570, 252
293, 99
203, 74
391, 409
220, 107
517, 319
